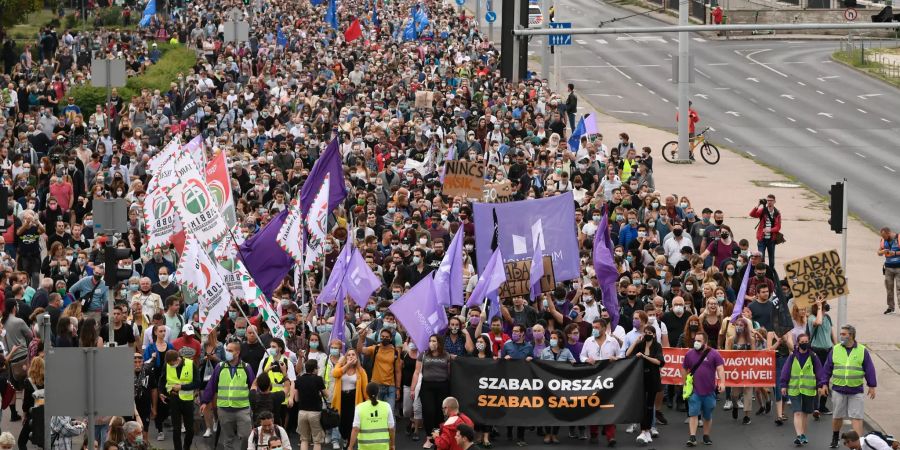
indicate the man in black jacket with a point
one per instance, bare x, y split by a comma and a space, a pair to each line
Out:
571, 106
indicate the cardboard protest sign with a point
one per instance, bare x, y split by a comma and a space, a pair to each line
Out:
463, 178
424, 99
497, 192
815, 275
518, 278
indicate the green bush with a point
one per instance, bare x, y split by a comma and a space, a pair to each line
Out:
71, 21
177, 59
111, 16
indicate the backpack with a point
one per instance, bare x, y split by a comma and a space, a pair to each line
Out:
36, 421
369, 366
887, 438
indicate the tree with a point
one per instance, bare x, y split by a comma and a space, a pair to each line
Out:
16, 11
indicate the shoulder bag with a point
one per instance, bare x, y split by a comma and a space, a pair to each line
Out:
689, 378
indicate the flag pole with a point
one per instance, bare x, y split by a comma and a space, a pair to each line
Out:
238, 305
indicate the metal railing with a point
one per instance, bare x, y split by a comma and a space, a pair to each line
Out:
867, 52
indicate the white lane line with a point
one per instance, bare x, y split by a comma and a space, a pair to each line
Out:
862, 111
699, 39
860, 155
885, 120
665, 100
729, 140
791, 119
801, 83
812, 131
753, 100
820, 92
717, 64
580, 42
751, 154
639, 84
839, 101
888, 168
701, 73
749, 56
600, 41
770, 109
834, 142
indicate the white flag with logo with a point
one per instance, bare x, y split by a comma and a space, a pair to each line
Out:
290, 236
254, 297
160, 219
317, 225
158, 160
195, 205
200, 274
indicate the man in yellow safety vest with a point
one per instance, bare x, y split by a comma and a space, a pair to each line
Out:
229, 386
177, 384
848, 366
373, 423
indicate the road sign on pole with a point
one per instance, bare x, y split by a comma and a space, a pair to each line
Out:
490, 16
850, 14
460, 2
560, 39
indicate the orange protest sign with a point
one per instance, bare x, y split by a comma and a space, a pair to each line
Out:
743, 368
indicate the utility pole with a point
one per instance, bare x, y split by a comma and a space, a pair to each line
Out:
684, 73
842, 300
545, 50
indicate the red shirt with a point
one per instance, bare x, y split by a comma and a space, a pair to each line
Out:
187, 347
447, 438
497, 342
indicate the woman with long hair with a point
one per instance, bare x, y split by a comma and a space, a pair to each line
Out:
433, 367
89, 336
350, 381
648, 349
412, 405
66, 332
555, 351
711, 321
740, 337
34, 383
154, 354
483, 351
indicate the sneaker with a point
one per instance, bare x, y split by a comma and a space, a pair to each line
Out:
706, 440
182, 429
611, 443
728, 404
787, 402
336, 444
740, 403
825, 411
654, 433
642, 439
161, 436
572, 434
660, 418
15, 417
631, 428
798, 442
207, 433
834, 442
804, 439
215, 426
889, 311
521, 444
700, 423
816, 414
746, 420
687, 420
583, 436
692, 441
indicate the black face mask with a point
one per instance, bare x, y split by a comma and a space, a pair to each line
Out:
804, 346
648, 338
632, 296
677, 232
693, 327
385, 341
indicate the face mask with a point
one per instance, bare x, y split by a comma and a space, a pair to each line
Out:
240, 332
844, 340
232, 315
325, 328
655, 204
738, 330
139, 439
390, 325
328, 248
416, 260
689, 287
474, 320
395, 295
636, 323
272, 352
678, 310
698, 345
480, 346
642, 234
588, 299
385, 341
652, 320
636, 281
804, 346
229, 356
677, 232
694, 328
730, 272
469, 247
516, 336
554, 342
454, 330
595, 333
720, 298
648, 338
683, 205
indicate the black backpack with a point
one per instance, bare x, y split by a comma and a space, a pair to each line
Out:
36, 420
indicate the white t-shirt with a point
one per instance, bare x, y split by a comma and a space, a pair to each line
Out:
872, 442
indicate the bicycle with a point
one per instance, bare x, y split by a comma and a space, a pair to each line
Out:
709, 152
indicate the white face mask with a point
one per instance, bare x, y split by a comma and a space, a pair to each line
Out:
698, 345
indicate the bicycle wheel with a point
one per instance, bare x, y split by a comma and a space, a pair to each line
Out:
709, 153
670, 151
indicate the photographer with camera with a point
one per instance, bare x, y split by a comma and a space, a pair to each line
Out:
444, 438
768, 231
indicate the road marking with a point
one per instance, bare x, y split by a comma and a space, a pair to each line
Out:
631, 112
640, 39
749, 56
839, 101
753, 100
770, 109
717, 64
699, 39
703, 96
600, 41
604, 95
801, 83
651, 91
866, 96
674, 40
862, 111
701, 73
722, 88
885, 120
860, 155
729, 140
834, 142
753, 80
639, 84
787, 96
733, 113
812, 131
664, 99
791, 119
609, 66
828, 115
888, 168
580, 42
751, 154
829, 77
712, 129
820, 92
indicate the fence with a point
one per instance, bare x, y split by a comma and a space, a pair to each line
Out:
867, 52
697, 9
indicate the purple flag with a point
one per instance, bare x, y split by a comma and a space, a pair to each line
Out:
537, 271
333, 289
490, 279
741, 295
448, 279
329, 162
339, 328
359, 280
548, 223
605, 268
420, 313
590, 124
263, 257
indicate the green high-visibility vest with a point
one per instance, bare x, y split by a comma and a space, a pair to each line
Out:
848, 369
187, 376
374, 432
803, 379
232, 391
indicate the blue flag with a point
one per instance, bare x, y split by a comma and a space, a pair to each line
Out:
575, 139
149, 12
280, 39
375, 19
315, 2
421, 19
331, 14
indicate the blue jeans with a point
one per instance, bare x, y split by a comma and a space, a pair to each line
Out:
779, 364
388, 394
767, 245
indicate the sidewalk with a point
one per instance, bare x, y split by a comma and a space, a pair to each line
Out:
734, 185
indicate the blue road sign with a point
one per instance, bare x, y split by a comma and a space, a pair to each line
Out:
460, 2
560, 39
490, 16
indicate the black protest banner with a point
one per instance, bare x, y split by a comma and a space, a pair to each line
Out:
548, 393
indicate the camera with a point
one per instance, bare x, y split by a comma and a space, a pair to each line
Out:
762, 201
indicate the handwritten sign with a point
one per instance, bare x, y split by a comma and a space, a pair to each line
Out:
518, 277
497, 192
464, 179
815, 275
424, 99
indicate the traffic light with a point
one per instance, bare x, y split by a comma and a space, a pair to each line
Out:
111, 258
837, 207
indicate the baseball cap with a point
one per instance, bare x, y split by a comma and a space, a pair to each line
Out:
188, 329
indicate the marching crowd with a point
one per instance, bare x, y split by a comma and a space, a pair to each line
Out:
272, 104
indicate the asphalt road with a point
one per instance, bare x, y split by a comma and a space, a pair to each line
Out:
782, 102
762, 433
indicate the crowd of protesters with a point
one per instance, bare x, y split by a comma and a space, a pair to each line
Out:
273, 103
